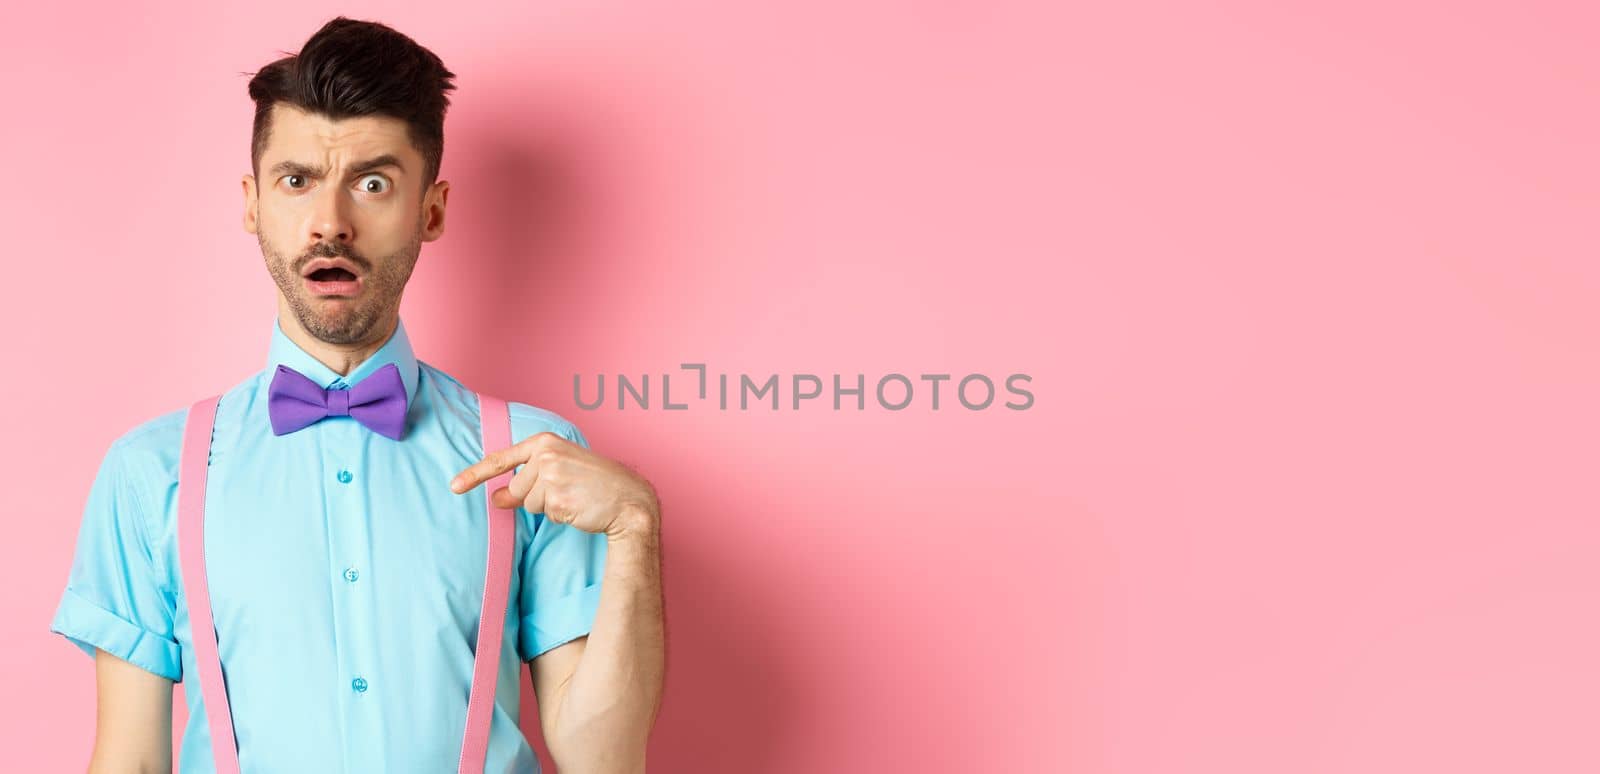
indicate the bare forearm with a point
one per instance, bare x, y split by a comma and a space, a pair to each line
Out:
99, 766
107, 759
133, 719
608, 707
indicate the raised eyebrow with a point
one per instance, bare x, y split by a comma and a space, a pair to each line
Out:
386, 160
297, 168
294, 168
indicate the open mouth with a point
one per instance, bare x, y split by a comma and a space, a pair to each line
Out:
331, 275
333, 281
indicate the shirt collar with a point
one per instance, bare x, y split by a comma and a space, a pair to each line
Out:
397, 350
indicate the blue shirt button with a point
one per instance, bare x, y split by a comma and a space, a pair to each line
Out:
359, 684
344, 476
351, 575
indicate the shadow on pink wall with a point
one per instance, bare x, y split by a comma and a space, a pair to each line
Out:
535, 252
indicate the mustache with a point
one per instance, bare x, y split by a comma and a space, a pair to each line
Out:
325, 250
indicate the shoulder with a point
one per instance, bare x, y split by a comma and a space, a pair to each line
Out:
145, 458
526, 418
148, 449
137, 474
164, 434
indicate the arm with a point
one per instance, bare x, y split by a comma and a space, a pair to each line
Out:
599, 692
598, 695
133, 719
117, 610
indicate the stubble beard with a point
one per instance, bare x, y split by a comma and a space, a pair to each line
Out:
343, 321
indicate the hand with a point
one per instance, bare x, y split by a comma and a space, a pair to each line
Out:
568, 484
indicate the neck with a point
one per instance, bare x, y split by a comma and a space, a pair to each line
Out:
341, 358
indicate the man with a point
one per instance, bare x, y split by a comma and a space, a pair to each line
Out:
345, 564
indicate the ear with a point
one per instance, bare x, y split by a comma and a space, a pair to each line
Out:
433, 210
249, 183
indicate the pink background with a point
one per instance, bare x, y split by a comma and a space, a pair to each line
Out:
1308, 299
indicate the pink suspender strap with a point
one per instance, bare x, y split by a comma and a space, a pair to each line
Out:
496, 422
195, 459
193, 465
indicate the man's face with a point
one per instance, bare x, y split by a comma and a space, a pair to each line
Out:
347, 191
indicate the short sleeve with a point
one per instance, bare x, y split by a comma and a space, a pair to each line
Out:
113, 599
561, 572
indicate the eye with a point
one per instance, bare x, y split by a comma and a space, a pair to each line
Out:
293, 179
374, 184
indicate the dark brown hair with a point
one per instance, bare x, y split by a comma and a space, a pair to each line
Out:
359, 68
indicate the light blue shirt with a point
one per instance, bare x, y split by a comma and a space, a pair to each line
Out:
345, 576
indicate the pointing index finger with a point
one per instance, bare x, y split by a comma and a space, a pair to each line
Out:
492, 465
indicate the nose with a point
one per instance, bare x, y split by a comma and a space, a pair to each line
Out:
329, 221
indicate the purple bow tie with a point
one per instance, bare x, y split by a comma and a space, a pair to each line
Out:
378, 401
